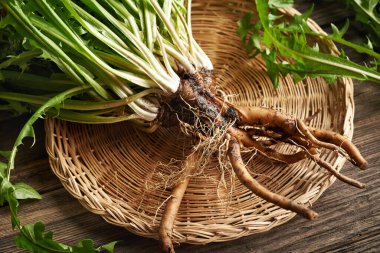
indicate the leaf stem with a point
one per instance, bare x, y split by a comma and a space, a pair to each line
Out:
27, 129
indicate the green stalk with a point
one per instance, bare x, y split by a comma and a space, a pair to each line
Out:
147, 26
119, 62
35, 82
187, 29
92, 58
165, 57
131, 5
85, 118
178, 56
123, 12
164, 84
176, 39
77, 104
123, 91
146, 50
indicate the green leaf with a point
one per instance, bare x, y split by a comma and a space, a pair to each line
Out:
24, 191
368, 14
85, 246
23, 243
110, 247
273, 68
288, 49
18, 108
339, 33
33, 237
245, 26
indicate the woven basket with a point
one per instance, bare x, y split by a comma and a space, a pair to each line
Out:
116, 171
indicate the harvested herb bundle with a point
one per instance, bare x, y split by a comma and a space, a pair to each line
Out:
110, 61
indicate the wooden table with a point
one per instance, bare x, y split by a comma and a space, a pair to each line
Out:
349, 221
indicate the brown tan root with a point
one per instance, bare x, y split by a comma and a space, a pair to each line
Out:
247, 180
173, 204
343, 142
259, 116
291, 129
244, 138
264, 133
338, 175
309, 136
297, 130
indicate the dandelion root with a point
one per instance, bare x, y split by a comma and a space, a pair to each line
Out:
172, 205
204, 114
259, 190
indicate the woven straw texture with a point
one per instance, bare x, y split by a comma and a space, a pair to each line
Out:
120, 173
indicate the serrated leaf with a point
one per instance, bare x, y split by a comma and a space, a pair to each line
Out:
24, 191
85, 246
369, 44
367, 12
110, 247
23, 243
305, 15
272, 67
245, 26
33, 237
339, 33
288, 39
28, 131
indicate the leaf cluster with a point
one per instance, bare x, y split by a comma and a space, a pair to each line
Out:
34, 238
367, 12
289, 46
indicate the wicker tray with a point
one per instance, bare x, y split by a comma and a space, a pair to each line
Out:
122, 179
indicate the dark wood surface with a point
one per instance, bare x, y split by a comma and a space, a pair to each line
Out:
349, 218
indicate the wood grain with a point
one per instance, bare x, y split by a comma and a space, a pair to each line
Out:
349, 221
